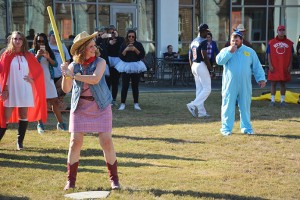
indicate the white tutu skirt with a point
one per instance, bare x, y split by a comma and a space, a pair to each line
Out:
131, 67
113, 61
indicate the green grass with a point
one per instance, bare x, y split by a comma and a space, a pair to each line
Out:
165, 153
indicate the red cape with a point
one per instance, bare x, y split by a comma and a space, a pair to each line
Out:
39, 111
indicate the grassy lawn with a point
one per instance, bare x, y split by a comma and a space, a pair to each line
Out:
165, 153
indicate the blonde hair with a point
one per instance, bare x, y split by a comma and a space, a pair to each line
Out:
11, 47
79, 55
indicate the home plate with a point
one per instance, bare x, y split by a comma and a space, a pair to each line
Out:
88, 195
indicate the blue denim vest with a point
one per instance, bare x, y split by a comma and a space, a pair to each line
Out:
100, 91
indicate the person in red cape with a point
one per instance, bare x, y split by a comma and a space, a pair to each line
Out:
22, 96
280, 56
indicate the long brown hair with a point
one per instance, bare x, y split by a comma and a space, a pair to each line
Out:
36, 45
79, 56
128, 32
11, 47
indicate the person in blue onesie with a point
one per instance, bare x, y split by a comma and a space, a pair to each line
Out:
239, 62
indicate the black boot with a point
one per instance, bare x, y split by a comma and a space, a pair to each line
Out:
2, 132
21, 133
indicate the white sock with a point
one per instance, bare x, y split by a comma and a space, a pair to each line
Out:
282, 98
273, 98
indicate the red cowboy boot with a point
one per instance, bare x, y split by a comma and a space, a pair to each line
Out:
72, 173
113, 175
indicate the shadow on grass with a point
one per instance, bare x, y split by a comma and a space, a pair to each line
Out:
154, 156
59, 164
280, 136
159, 193
3, 197
169, 140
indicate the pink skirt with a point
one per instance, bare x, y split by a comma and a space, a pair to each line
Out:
89, 118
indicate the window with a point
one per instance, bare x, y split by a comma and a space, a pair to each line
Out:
251, 18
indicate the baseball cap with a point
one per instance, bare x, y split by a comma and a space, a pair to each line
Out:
202, 27
281, 27
236, 32
100, 29
51, 32
112, 27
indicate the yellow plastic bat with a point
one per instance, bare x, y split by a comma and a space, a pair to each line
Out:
56, 34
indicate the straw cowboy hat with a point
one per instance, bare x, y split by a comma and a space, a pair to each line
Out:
80, 39
240, 27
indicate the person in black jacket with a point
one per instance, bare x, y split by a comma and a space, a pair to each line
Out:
113, 48
101, 42
131, 67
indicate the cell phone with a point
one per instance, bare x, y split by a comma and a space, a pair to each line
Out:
42, 47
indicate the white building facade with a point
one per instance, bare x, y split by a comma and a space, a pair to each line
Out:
158, 22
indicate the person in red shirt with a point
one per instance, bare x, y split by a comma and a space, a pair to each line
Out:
280, 56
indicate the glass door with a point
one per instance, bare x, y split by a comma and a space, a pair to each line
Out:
123, 17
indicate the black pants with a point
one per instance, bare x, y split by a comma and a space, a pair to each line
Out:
113, 82
135, 79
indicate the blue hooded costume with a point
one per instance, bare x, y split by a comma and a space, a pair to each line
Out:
236, 86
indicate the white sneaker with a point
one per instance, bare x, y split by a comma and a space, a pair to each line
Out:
249, 133
137, 107
204, 116
122, 106
226, 133
192, 109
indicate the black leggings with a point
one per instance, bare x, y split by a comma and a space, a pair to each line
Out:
135, 79
113, 81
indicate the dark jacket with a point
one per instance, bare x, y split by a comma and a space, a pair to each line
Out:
131, 56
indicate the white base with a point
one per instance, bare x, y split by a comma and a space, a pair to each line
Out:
88, 195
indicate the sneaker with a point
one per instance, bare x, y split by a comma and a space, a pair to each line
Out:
40, 128
142, 79
192, 109
283, 104
226, 133
204, 116
249, 133
19, 146
122, 106
61, 126
114, 103
137, 107
272, 104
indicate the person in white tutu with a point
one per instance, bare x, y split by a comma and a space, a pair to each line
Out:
131, 67
113, 48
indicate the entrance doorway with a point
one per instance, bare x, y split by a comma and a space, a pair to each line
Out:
123, 17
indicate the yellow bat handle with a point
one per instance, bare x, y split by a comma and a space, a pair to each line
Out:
56, 34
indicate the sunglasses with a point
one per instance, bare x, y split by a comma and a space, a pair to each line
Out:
16, 39
281, 29
40, 41
131, 36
